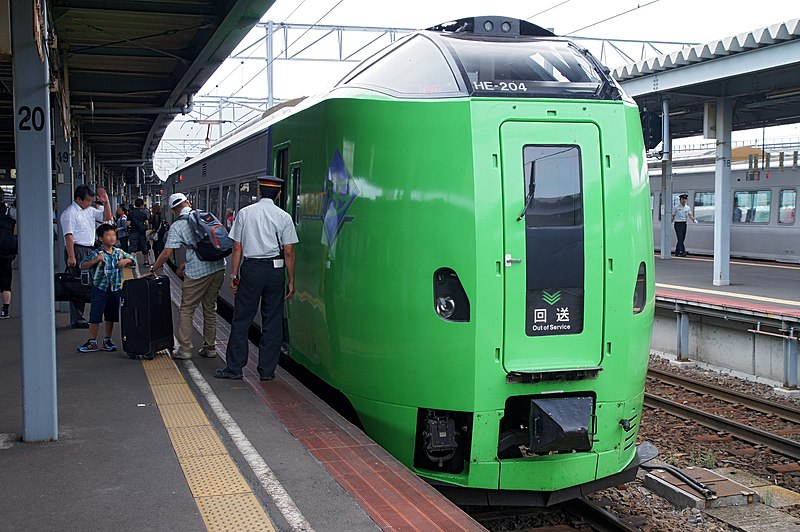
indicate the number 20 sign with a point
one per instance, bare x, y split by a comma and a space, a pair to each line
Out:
30, 118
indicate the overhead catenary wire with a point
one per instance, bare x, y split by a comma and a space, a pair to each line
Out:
285, 50
638, 6
549, 9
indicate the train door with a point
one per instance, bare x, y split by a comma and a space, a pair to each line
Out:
293, 191
554, 246
282, 171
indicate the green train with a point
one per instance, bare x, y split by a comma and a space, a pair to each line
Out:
475, 268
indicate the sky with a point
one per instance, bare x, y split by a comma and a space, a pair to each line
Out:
685, 21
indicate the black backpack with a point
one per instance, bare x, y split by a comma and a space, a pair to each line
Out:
9, 244
212, 242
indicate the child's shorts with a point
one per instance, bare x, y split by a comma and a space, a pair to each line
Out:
104, 302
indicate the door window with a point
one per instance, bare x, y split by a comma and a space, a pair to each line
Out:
202, 200
228, 205
787, 209
704, 207
213, 201
248, 194
554, 240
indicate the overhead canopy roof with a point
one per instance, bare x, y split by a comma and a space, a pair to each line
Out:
131, 64
758, 69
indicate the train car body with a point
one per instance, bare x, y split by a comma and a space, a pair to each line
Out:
475, 266
763, 218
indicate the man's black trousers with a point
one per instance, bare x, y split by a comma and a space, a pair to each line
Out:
680, 232
260, 281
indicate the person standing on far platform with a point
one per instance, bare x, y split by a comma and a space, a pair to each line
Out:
138, 223
681, 214
201, 284
78, 224
8, 252
122, 228
264, 235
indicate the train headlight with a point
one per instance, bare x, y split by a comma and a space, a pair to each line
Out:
640, 290
449, 298
445, 307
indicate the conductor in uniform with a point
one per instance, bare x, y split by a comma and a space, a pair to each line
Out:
681, 214
263, 254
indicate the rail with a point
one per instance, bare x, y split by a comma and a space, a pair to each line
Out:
787, 413
597, 517
752, 435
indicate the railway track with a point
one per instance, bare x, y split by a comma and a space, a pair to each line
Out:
578, 514
750, 434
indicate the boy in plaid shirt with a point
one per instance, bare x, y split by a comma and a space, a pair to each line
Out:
109, 261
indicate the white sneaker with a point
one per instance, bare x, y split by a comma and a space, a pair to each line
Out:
207, 353
181, 355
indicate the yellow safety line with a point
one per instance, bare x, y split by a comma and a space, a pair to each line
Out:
737, 295
221, 493
742, 263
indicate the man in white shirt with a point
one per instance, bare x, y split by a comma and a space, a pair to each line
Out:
264, 235
681, 214
79, 221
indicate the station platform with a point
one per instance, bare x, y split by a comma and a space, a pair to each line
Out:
763, 288
162, 445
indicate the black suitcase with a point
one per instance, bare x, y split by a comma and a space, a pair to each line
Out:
146, 313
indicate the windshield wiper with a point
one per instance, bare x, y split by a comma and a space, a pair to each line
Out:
531, 190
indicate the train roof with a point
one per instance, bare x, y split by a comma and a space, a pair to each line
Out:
470, 57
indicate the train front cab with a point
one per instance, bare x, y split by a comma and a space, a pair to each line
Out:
577, 300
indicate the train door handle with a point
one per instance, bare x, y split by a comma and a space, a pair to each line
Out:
511, 260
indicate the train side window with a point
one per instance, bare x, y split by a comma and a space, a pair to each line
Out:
786, 214
704, 207
192, 197
248, 194
213, 201
752, 206
228, 205
202, 200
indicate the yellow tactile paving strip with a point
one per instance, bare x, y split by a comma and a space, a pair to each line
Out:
222, 495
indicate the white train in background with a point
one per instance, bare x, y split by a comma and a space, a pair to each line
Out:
763, 222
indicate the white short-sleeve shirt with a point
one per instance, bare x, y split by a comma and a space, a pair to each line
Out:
81, 223
681, 212
259, 226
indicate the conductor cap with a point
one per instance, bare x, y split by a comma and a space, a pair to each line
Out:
270, 181
684, 196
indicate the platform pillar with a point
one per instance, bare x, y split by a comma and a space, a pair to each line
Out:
64, 190
35, 218
790, 364
722, 194
683, 336
666, 184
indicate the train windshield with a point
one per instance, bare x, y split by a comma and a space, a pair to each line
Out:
524, 67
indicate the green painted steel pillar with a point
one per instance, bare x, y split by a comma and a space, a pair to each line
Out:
35, 219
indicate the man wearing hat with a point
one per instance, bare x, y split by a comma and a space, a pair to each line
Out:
264, 235
201, 284
78, 222
681, 214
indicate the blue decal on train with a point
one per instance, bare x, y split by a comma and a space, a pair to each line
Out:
340, 192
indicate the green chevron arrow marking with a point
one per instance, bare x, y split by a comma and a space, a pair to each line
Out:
551, 299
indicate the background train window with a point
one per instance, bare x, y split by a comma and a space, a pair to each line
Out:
202, 200
752, 206
228, 205
786, 214
248, 194
192, 197
213, 201
416, 67
704, 207
553, 195
676, 199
